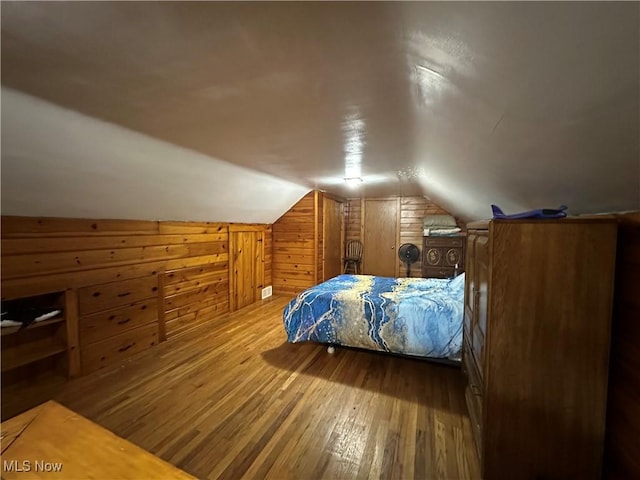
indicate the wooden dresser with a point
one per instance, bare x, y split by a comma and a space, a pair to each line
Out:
443, 257
537, 324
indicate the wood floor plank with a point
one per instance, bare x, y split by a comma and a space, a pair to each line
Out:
232, 399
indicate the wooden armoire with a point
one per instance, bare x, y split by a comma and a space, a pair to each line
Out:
537, 329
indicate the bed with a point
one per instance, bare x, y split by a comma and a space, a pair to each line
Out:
409, 316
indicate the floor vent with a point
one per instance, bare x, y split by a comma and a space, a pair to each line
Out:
267, 292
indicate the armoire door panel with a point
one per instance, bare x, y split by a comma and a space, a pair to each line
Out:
470, 284
482, 281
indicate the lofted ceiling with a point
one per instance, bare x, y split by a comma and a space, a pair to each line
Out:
522, 104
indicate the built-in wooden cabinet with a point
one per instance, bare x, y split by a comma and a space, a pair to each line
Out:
117, 319
38, 359
246, 265
443, 257
537, 327
125, 286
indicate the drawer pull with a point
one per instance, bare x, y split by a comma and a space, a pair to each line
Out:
124, 294
124, 349
475, 390
122, 322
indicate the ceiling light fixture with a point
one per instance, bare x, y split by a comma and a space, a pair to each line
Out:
353, 182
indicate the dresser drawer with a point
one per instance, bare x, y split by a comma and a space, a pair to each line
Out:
102, 325
433, 256
438, 272
444, 241
453, 257
110, 295
475, 418
115, 349
443, 252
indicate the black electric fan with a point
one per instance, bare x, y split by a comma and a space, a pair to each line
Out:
409, 254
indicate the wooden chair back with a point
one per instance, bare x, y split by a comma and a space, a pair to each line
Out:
354, 250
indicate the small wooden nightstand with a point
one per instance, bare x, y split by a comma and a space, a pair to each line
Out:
443, 257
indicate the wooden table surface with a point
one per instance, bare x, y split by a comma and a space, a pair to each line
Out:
50, 441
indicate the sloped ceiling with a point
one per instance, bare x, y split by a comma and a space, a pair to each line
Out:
522, 104
59, 163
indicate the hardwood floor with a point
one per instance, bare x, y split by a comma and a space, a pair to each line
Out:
236, 400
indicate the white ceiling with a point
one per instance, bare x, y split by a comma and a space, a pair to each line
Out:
521, 104
60, 163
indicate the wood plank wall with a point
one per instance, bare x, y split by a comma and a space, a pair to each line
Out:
190, 260
295, 247
268, 255
622, 459
319, 238
353, 219
412, 212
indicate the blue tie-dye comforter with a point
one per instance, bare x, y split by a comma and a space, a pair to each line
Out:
410, 316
